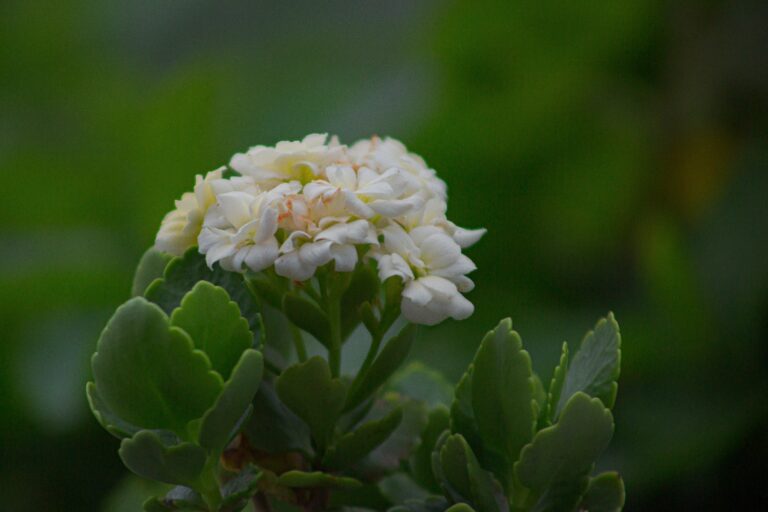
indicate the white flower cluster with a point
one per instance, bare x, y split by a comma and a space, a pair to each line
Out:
300, 205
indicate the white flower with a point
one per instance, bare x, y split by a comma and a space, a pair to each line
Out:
239, 232
366, 193
431, 265
288, 160
433, 214
180, 227
430, 300
305, 204
302, 254
391, 153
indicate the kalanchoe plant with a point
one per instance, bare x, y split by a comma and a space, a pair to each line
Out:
321, 240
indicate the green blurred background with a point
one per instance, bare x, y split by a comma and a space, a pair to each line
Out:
617, 152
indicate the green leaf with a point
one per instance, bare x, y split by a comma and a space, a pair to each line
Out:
399, 487
464, 480
430, 504
214, 324
183, 273
596, 366
306, 315
561, 495
421, 459
556, 384
273, 427
460, 507
231, 409
151, 266
604, 494
462, 416
179, 498
502, 392
310, 392
420, 382
363, 287
109, 420
302, 479
238, 490
566, 451
148, 373
161, 456
385, 364
355, 445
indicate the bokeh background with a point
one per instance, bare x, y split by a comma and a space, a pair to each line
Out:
617, 152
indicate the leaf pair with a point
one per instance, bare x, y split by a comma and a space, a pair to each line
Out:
160, 382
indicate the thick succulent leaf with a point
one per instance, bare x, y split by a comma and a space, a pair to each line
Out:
148, 373
421, 459
460, 507
214, 323
462, 416
161, 456
109, 420
503, 403
231, 409
400, 487
302, 479
566, 450
238, 490
363, 287
556, 385
306, 315
561, 495
386, 363
420, 382
454, 464
309, 391
430, 504
596, 366
273, 427
183, 273
179, 498
604, 494
355, 445
151, 266
464, 479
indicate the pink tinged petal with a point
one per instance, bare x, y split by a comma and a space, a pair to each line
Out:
468, 237
315, 189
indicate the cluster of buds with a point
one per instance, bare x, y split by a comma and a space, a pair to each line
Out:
300, 205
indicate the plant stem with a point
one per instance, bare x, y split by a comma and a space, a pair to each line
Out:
334, 317
298, 342
209, 486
